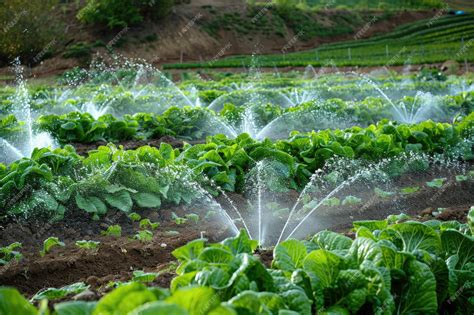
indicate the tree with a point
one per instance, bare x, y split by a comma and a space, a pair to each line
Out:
122, 13
28, 29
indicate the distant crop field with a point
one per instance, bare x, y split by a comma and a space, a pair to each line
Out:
426, 41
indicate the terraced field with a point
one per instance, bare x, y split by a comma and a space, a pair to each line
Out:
429, 41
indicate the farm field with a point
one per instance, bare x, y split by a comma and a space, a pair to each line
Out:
236, 157
424, 41
122, 192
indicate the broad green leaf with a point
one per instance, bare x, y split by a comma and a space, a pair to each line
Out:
215, 255
159, 308
120, 200
147, 200
364, 249
289, 255
241, 243
75, 308
409, 190
372, 225
456, 243
323, 264
418, 295
411, 236
190, 251
249, 302
124, 299
331, 241
196, 301
11, 302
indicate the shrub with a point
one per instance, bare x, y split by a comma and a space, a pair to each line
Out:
122, 13
28, 29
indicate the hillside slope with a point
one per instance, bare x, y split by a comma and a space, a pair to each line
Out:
433, 40
210, 29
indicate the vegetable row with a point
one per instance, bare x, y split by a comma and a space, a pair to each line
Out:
52, 182
393, 266
195, 123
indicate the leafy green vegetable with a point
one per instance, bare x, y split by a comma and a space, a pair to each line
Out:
135, 217
146, 223
144, 236
141, 276
351, 200
55, 294
88, 244
436, 183
10, 253
11, 302
409, 190
49, 243
113, 230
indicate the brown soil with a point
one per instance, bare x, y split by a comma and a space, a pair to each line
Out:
115, 259
83, 148
118, 257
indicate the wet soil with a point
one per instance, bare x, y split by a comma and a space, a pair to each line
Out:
117, 258
83, 148
114, 260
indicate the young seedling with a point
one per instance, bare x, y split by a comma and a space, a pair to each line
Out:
9, 253
382, 193
49, 243
210, 214
178, 220
461, 178
332, 202
135, 217
87, 244
397, 218
436, 183
144, 277
144, 236
146, 223
351, 200
409, 190
192, 217
172, 233
55, 293
113, 230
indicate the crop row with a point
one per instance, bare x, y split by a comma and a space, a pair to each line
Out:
393, 266
195, 123
52, 182
427, 41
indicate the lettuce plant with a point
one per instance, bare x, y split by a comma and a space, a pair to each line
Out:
409, 190
87, 244
10, 253
113, 230
146, 223
49, 243
144, 236
55, 294
436, 183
